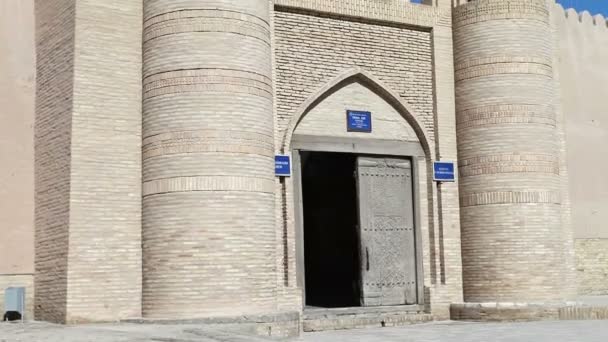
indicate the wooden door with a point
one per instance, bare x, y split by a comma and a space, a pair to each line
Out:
386, 232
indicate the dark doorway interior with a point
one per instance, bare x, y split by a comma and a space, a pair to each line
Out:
331, 246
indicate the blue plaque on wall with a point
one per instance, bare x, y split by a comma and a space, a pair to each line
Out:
444, 171
282, 166
359, 121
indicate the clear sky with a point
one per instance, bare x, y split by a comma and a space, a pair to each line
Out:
593, 6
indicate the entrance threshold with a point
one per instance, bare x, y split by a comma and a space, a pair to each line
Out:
323, 319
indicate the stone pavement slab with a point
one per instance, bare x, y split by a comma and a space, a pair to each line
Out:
594, 300
559, 331
45, 332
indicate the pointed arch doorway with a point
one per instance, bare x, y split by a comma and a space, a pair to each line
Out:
357, 212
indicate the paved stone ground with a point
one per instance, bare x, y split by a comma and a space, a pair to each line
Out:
594, 300
44, 332
562, 331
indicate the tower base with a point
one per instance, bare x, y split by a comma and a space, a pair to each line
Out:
521, 312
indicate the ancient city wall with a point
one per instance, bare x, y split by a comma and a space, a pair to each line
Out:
17, 67
89, 143
17, 78
583, 70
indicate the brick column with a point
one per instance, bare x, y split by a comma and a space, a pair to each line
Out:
88, 160
449, 285
208, 187
509, 149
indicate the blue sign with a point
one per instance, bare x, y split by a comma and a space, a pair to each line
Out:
282, 166
444, 171
358, 121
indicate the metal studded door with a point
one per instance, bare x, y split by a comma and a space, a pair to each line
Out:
386, 231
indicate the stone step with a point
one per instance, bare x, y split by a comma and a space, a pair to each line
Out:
321, 319
512, 312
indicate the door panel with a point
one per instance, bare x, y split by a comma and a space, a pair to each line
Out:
386, 231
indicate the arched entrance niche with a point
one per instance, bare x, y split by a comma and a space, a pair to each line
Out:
363, 79
317, 133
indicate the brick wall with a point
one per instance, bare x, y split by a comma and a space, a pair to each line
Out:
104, 261
313, 49
583, 67
88, 152
316, 44
208, 228
17, 93
55, 25
509, 152
328, 117
592, 266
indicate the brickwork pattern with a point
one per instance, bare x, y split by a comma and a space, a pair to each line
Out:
208, 175
592, 266
55, 25
310, 51
105, 192
449, 283
314, 45
214, 243
570, 283
327, 117
396, 11
509, 144
313, 49
88, 169
521, 312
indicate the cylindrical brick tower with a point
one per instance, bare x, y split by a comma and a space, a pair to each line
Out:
208, 208
512, 238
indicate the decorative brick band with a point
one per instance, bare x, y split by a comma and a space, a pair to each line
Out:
396, 11
473, 62
208, 183
204, 13
510, 197
484, 10
504, 68
523, 157
486, 66
202, 80
151, 79
509, 163
206, 21
207, 141
506, 114
202, 88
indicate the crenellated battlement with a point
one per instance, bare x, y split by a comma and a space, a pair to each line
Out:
583, 18
467, 8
